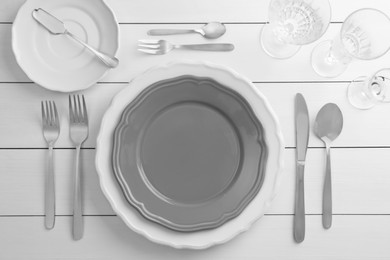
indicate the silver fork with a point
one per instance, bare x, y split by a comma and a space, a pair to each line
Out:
51, 131
78, 118
159, 47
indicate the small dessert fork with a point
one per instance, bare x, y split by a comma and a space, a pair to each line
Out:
51, 131
159, 47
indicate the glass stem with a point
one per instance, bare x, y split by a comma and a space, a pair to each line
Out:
337, 53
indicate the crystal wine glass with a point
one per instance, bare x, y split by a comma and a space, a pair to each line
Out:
365, 92
364, 35
293, 23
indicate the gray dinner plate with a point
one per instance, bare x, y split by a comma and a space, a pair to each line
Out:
189, 153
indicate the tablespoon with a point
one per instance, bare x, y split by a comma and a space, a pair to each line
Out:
57, 27
212, 30
328, 126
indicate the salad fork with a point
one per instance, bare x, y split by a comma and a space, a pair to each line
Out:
159, 47
51, 131
78, 122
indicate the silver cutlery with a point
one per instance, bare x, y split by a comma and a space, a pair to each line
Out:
212, 30
302, 139
159, 47
57, 27
51, 131
78, 123
328, 126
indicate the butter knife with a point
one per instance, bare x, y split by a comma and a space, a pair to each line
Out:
302, 139
57, 27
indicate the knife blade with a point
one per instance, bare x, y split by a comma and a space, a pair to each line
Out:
302, 138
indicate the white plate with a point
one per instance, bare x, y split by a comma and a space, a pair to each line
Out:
206, 238
57, 62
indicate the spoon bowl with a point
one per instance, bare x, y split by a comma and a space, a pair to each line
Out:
213, 30
329, 123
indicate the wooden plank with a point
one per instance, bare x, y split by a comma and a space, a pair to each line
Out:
21, 122
23, 178
248, 57
360, 182
200, 11
352, 237
21, 118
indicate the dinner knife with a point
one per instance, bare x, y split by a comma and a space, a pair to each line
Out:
302, 139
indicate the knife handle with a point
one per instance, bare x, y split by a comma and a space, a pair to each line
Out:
299, 218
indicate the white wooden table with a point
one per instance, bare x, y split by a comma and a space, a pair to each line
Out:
361, 157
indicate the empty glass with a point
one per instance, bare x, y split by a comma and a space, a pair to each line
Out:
365, 92
293, 23
365, 35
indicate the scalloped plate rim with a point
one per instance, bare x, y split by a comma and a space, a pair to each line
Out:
201, 239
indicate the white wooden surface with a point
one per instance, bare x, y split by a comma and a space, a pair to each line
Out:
361, 165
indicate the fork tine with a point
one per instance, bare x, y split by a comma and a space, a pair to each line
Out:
149, 51
148, 41
71, 113
56, 117
85, 110
52, 117
48, 116
43, 114
149, 46
75, 110
81, 112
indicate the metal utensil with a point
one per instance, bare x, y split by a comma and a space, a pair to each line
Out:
302, 139
51, 131
78, 121
328, 126
162, 47
212, 30
57, 27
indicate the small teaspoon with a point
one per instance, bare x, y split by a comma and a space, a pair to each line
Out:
212, 30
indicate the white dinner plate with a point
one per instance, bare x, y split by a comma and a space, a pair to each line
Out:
57, 62
204, 238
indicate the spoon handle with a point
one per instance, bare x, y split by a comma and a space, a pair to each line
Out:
157, 32
327, 196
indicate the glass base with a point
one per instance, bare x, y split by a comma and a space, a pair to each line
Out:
274, 47
356, 95
324, 65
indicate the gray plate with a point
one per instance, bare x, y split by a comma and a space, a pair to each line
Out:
189, 153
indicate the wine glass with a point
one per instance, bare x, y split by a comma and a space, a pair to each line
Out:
293, 23
366, 92
364, 35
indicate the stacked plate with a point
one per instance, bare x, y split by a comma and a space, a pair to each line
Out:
189, 154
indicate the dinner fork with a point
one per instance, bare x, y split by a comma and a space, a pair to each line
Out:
159, 47
51, 131
78, 123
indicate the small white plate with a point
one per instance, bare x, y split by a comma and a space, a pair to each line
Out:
57, 62
204, 238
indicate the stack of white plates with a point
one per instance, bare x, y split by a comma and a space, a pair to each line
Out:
189, 154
